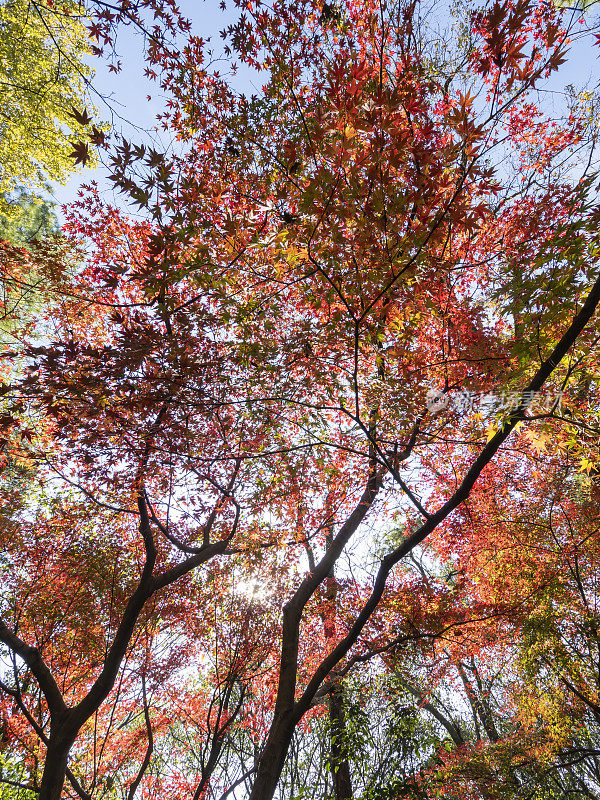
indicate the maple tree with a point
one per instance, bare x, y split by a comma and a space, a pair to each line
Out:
227, 390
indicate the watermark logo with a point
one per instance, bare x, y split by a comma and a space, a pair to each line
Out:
463, 401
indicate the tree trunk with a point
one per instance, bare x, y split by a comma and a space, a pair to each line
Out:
340, 768
273, 757
55, 767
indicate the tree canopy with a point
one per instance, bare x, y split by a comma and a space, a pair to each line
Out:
299, 455
43, 79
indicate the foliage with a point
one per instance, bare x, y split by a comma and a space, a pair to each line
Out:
44, 80
31, 217
244, 552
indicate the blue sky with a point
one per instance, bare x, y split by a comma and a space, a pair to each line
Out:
128, 110
121, 99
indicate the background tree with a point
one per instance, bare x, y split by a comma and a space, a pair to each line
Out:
32, 217
45, 84
235, 384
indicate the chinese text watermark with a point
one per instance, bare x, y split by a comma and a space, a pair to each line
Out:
467, 402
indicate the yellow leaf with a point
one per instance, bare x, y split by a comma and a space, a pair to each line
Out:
538, 440
586, 465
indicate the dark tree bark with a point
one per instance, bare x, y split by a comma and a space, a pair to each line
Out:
340, 766
55, 765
